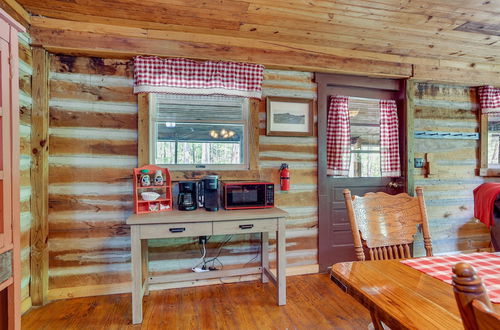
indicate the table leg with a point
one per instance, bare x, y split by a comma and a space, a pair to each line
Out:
281, 261
145, 261
264, 237
135, 243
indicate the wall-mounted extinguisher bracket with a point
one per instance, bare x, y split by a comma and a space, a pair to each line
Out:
284, 177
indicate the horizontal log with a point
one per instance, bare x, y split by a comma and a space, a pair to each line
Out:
296, 199
439, 92
25, 115
67, 146
70, 204
57, 40
440, 113
92, 65
90, 92
25, 146
25, 54
67, 118
67, 174
25, 83
443, 74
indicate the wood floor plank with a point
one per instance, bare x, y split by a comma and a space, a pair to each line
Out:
313, 302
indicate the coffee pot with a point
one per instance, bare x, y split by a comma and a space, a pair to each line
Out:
186, 200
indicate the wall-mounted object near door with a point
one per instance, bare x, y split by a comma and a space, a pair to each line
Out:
289, 116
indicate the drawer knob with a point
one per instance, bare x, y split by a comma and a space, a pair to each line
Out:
177, 230
246, 226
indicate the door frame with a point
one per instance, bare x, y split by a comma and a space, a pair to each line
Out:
355, 86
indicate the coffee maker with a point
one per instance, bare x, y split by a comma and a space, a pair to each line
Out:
186, 200
208, 192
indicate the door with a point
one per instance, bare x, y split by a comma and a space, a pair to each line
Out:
335, 237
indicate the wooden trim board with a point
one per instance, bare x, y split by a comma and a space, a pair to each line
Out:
39, 178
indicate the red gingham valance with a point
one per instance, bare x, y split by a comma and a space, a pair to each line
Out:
338, 137
489, 98
389, 139
183, 76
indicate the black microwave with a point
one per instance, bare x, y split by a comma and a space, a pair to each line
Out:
247, 195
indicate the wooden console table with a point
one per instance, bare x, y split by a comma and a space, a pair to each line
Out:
202, 223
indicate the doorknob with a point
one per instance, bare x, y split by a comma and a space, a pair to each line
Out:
393, 185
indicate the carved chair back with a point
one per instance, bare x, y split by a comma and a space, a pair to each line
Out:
472, 299
386, 224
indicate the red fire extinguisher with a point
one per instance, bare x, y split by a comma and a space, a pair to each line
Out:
284, 177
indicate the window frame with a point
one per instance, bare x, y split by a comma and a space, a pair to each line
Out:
486, 169
250, 171
153, 130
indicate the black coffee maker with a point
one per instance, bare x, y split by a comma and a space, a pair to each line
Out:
208, 192
186, 200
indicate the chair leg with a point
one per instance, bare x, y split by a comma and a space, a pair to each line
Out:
377, 324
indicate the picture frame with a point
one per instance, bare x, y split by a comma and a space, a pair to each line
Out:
287, 116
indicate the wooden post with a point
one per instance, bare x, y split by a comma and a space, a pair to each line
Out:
143, 103
410, 138
39, 178
467, 287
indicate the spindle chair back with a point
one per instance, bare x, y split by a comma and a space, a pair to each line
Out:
385, 225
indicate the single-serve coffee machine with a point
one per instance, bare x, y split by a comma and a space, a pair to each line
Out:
186, 200
208, 192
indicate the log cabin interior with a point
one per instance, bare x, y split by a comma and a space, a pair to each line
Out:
253, 121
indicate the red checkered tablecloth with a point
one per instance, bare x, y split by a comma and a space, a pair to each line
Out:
486, 264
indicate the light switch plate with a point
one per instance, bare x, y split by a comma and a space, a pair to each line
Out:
418, 162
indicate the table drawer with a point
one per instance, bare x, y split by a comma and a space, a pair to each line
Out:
244, 226
176, 230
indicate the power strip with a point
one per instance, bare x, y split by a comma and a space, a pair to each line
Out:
199, 270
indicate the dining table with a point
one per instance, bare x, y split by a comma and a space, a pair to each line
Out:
400, 296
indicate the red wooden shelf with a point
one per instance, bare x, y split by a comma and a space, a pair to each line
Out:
165, 190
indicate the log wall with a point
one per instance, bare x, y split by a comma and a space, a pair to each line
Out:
93, 147
25, 102
448, 187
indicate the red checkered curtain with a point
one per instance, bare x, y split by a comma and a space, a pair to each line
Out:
183, 76
489, 98
390, 163
338, 137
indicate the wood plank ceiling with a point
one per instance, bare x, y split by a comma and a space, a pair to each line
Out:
422, 29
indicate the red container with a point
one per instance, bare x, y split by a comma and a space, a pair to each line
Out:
164, 202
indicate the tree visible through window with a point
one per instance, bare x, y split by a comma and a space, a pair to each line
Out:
199, 131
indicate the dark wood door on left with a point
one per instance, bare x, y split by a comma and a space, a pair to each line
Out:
335, 237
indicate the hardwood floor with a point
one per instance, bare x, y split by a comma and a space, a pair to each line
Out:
313, 302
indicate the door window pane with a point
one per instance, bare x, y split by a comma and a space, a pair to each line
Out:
365, 137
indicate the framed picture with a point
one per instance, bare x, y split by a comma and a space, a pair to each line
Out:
289, 116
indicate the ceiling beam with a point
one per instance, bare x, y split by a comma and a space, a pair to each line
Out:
232, 49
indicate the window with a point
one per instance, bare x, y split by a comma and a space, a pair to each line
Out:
493, 141
490, 145
189, 132
364, 116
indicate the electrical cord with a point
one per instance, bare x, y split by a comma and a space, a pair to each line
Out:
202, 259
219, 250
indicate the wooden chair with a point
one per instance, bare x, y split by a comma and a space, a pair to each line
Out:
472, 299
386, 224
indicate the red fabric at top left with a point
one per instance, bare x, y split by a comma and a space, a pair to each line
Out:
484, 201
